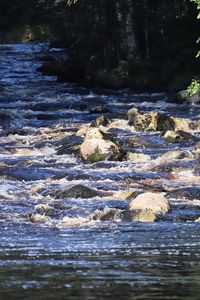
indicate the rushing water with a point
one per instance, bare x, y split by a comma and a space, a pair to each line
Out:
87, 259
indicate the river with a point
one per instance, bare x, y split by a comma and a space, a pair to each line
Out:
93, 260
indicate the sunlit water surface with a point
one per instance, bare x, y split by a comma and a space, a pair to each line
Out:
98, 260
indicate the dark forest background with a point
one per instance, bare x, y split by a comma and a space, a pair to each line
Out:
142, 44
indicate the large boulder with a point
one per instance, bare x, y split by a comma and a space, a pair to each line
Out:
183, 96
95, 148
154, 202
152, 121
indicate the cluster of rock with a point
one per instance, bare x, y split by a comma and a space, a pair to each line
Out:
96, 142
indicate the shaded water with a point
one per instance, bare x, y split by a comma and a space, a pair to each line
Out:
91, 259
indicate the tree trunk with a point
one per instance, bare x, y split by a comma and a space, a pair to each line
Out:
130, 31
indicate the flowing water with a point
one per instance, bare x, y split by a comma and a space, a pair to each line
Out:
86, 258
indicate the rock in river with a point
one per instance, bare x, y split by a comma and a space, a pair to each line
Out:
95, 148
145, 216
184, 97
152, 121
156, 203
77, 191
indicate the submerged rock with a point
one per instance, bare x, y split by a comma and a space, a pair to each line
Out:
190, 193
156, 203
144, 141
138, 157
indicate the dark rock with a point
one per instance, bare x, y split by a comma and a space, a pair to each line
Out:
179, 136
100, 121
144, 141
77, 191
69, 145
184, 96
190, 193
99, 110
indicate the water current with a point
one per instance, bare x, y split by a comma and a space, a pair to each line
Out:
85, 259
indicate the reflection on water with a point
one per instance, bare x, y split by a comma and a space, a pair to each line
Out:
98, 260
128, 261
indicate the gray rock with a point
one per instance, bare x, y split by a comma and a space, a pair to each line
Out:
184, 96
77, 191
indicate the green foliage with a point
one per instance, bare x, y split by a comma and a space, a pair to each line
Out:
194, 87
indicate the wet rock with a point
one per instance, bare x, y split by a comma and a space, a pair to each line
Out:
197, 220
99, 110
174, 166
94, 133
179, 136
144, 141
123, 124
145, 216
100, 121
174, 155
189, 193
95, 148
156, 203
152, 121
72, 222
184, 97
77, 191
47, 210
107, 214
69, 145
181, 124
138, 157
125, 195
37, 218
82, 131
